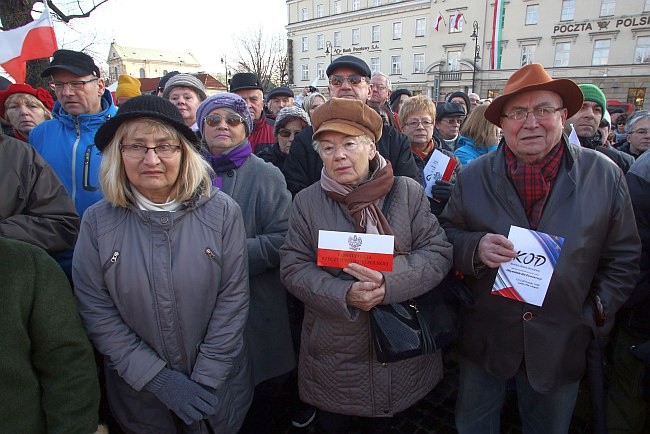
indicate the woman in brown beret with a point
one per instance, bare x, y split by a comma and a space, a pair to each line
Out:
338, 370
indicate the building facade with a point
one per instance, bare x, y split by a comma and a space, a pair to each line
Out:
148, 63
438, 46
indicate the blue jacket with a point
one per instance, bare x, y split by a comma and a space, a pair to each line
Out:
67, 144
466, 151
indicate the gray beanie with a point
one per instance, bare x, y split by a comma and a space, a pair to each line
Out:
185, 80
227, 100
284, 116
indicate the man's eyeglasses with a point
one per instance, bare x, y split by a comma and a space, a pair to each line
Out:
640, 131
415, 122
539, 113
338, 80
73, 85
231, 120
137, 150
453, 121
283, 132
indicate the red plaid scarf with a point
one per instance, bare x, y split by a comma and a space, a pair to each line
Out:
533, 182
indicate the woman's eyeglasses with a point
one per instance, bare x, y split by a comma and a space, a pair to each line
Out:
137, 150
283, 132
232, 120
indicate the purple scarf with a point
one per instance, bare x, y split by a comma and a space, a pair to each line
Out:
230, 161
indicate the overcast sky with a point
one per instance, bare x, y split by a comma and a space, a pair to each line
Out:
206, 28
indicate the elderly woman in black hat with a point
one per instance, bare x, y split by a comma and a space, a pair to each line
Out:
261, 192
289, 122
161, 279
338, 370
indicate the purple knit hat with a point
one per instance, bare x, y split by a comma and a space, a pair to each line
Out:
227, 100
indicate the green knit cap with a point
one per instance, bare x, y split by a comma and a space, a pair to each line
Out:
593, 93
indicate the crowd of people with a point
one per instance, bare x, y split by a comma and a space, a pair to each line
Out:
161, 252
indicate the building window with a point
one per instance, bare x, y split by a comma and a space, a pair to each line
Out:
337, 6
453, 61
320, 11
418, 63
376, 2
374, 64
305, 43
527, 54
320, 41
396, 65
601, 52
456, 22
636, 96
397, 30
492, 93
320, 70
337, 39
142, 73
562, 53
374, 33
532, 14
607, 7
420, 26
646, 8
356, 4
642, 51
568, 10
303, 14
304, 73
355, 36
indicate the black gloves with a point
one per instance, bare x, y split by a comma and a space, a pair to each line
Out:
440, 191
188, 399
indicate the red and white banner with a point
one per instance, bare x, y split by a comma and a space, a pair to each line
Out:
455, 20
35, 40
439, 20
440, 167
338, 249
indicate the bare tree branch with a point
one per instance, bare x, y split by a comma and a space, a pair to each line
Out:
263, 55
66, 18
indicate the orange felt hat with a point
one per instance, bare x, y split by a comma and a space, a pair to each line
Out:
535, 77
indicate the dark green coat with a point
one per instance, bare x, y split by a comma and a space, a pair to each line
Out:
48, 379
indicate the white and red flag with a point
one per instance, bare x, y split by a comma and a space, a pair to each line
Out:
439, 20
35, 40
459, 16
338, 249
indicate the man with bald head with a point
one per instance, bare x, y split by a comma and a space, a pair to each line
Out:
537, 181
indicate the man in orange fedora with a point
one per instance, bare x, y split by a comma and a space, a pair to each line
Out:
577, 204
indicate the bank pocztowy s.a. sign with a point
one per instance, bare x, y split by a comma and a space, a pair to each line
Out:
615, 23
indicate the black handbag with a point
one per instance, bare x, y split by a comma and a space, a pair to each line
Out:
422, 325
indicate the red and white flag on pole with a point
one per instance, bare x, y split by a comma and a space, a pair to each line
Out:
439, 20
455, 19
35, 40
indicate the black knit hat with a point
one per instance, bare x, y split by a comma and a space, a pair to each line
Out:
144, 106
462, 95
75, 62
394, 95
351, 62
245, 80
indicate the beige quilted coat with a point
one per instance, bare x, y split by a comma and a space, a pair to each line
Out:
338, 370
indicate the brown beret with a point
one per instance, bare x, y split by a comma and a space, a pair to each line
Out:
348, 116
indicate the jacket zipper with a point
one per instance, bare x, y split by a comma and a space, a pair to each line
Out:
113, 260
210, 253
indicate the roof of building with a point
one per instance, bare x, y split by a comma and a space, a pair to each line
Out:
149, 54
148, 85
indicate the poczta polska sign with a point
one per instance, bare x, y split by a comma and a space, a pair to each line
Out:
602, 25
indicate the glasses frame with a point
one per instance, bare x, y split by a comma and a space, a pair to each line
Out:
453, 121
338, 80
73, 85
232, 120
641, 131
539, 113
282, 132
175, 150
415, 123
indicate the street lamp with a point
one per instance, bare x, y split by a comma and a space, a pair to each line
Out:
224, 62
328, 49
477, 55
